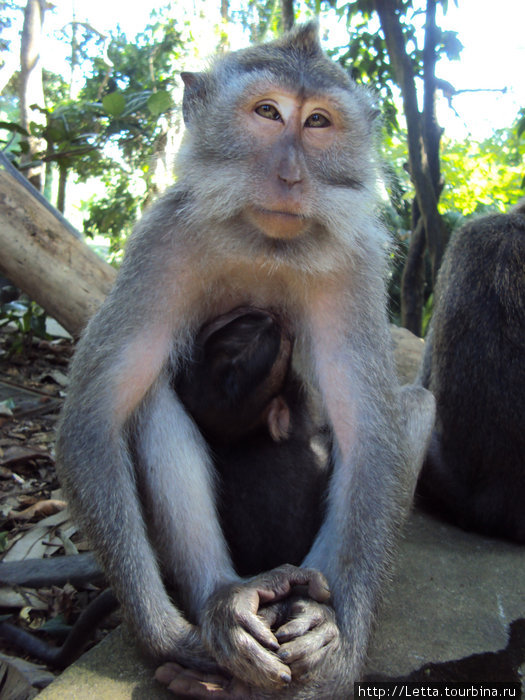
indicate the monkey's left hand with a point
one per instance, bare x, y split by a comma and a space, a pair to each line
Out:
242, 641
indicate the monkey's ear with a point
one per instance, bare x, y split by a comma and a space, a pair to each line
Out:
278, 419
194, 92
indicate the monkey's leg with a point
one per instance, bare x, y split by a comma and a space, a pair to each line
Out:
99, 474
178, 486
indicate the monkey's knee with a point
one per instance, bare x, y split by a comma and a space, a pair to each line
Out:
418, 412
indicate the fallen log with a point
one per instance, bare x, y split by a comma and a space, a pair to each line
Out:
77, 569
41, 255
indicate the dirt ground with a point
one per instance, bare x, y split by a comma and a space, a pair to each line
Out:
34, 518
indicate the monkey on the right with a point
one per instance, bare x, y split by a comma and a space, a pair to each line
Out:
474, 363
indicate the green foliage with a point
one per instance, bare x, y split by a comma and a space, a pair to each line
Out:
29, 320
259, 18
366, 56
520, 127
7, 9
114, 104
113, 214
481, 177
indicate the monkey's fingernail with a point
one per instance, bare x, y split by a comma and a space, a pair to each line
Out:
286, 677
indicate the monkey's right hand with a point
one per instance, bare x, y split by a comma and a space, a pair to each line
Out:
241, 640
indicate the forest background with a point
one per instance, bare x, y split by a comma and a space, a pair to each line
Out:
90, 111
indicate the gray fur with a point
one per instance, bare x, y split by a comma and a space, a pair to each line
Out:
192, 257
474, 363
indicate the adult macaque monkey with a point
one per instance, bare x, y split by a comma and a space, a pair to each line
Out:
474, 362
273, 208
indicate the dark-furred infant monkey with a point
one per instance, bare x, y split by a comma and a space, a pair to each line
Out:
474, 363
273, 208
271, 457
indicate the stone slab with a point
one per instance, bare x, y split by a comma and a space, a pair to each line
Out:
446, 616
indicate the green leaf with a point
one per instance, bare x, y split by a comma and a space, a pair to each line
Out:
13, 126
56, 626
159, 102
114, 103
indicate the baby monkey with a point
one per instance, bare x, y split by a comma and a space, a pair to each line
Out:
271, 458
233, 383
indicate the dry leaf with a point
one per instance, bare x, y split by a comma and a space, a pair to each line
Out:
21, 598
42, 509
40, 540
19, 455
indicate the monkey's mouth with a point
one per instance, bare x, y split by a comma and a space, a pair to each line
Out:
277, 223
278, 212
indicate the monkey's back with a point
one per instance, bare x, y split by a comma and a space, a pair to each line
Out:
476, 370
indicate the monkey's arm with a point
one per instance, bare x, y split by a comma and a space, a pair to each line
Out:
379, 438
117, 388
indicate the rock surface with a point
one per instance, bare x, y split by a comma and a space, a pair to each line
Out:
450, 604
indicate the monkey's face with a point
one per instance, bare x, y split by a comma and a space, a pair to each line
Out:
278, 147
287, 133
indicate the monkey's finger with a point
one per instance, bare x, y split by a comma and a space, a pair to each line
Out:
258, 628
309, 664
318, 587
274, 614
277, 583
298, 626
257, 665
302, 647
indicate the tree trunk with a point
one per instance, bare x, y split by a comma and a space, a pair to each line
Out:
61, 194
42, 257
412, 281
423, 161
31, 90
288, 14
431, 129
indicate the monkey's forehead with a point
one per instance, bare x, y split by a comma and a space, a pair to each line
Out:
295, 59
292, 69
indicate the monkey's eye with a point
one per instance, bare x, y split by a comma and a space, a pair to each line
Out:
318, 121
268, 112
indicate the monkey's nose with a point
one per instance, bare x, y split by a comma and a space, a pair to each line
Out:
290, 179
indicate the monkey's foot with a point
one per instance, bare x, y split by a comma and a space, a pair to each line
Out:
188, 683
